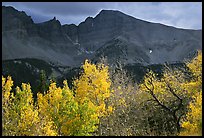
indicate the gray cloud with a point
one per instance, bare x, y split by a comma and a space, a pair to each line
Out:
179, 14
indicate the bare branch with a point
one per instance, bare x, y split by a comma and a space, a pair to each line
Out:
155, 98
172, 91
180, 99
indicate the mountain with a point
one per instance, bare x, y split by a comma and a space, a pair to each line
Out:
22, 38
111, 33
29, 47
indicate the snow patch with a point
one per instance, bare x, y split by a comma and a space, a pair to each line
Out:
76, 43
37, 70
89, 52
19, 62
82, 50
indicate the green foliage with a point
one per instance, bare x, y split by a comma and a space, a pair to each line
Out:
28, 68
169, 98
156, 107
20, 117
103, 101
57, 111
43, 84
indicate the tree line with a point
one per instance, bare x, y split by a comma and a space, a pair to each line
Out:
105, 101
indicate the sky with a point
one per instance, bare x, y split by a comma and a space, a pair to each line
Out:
187, 15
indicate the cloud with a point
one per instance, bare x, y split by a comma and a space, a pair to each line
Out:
179, 14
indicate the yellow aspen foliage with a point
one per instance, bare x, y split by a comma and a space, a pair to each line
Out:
193, 124
69, 117
7, 104
166, 89
19, 115
7, 95
122, 100
77, 112
58, 111
25, 108
195, 66
168, 96
94, 85
173, 92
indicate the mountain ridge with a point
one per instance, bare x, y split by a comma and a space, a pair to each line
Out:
70, 44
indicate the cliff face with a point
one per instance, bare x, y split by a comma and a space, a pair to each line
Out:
111, 33
24, 39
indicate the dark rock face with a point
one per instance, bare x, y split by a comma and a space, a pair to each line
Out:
71, 31
24, 39
12, 19
111, 33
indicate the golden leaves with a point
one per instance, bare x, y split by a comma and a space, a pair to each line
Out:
6, 88
193, 123
77, 111
19, 110
196, 65
94, 85
173, 86
59, 111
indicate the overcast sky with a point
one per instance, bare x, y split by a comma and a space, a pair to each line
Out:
186, 15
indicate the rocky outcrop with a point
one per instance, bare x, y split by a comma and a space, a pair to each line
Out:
167, 44
111, 33
22, 38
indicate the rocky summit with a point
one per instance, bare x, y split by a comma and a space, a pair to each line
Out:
111, 34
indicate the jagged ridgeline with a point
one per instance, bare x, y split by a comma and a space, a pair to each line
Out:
60, 50
99, 100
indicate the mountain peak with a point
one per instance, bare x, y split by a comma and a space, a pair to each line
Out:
12, 10
116, 33
110, 12
8, 8
53, 21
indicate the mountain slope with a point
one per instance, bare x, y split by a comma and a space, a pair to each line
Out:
111, 33
21, 38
